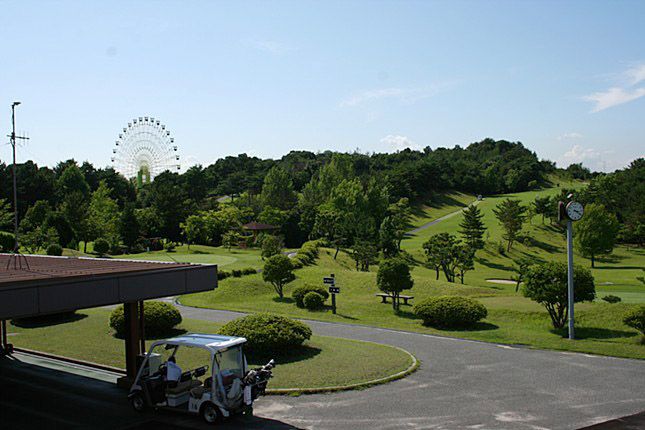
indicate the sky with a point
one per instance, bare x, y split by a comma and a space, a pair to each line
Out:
565, 78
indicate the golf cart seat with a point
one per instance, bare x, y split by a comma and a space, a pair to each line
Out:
184, 386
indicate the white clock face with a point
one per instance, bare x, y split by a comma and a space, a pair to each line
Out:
575, 211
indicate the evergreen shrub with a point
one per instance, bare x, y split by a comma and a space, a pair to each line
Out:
159, 319
301, 291
313, 300
266, 334
635, 318
54, 249
450, 311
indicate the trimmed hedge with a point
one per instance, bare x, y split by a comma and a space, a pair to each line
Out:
7, 241
313, 300
611, 299
266, 334
635, 318
301, 291
159, 318
54, 249
101, 246
450, 311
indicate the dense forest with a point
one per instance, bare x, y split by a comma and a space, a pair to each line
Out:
349, 199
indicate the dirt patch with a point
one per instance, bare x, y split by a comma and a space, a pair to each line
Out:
502, 281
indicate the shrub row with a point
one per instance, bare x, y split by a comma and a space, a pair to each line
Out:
223, 274
266, 334
307, 254
159, 319
7, 242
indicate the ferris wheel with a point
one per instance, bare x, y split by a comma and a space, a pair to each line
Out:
145, 149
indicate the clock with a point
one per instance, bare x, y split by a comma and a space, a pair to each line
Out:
575, 211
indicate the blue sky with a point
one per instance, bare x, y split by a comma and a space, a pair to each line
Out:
566, 78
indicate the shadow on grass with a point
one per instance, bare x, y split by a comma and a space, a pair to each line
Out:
294, 355
479, 326
287, 300
156, 336
618, 267
48, 320
594, 333
611, 259
198, 252
492, 265
547, 247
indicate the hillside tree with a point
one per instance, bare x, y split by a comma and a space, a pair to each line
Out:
511, 215
472, 227
278, 270
393, 277
596, 232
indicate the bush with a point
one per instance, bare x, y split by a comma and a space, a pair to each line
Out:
237, 273
54, 249
267, 334
271, 245
249, 271
101, 246
169, 247
636, 318
7, 242
223, 274
297, 263
450, 311
159, 318
313, 300
611, 299
300, 292
301, 260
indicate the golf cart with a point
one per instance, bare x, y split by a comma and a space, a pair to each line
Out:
229, 387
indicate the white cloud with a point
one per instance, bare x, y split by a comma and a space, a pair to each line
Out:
636, 75
613, 97
578, 154
572, 135
406, 94
400, 143
269, 46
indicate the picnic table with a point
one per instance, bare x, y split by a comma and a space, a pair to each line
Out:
385, 296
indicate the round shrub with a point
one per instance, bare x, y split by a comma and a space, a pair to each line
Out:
7, 241
301, 291
635, 318
101, 246
159, 318
237, 273
267, 334
297, 263
223, 274
313, 300
54, 249
611, 299
450, 311
249, 271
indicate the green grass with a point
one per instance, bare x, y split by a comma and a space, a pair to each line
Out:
322, 362
437, 206
512, 318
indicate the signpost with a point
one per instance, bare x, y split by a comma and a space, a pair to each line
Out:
333, 290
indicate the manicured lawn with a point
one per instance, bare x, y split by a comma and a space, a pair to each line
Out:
439, 205
323, 362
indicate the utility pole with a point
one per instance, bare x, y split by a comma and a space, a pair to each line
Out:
16, 247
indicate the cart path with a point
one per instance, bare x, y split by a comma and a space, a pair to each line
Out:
465, 384
445, 217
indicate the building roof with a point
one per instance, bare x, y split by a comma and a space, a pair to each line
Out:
259, 226
60, 284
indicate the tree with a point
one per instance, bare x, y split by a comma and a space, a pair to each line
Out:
596, 232
271, 245
129, 226
273, 216
520, 268
278, 270
510, 214
464, 260
443, 252
364, 253
229, 239
6, 214
329, 225
73, 193
542, 206
472, 227
194, 229
546, 283
400, 214
393, 277
388, 238
278, 189
104, 216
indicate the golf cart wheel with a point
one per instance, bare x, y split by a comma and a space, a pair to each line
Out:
138, 402
210, 413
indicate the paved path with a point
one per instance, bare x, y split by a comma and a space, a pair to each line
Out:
465, 384
450, 215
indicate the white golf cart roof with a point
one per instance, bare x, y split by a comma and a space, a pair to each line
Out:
212, 342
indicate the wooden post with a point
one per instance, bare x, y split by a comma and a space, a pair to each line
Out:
132, 335
142, 329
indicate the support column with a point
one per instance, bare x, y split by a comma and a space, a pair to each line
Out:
133, 320
5, 347
142, 328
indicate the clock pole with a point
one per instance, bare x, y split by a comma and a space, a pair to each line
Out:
570, 275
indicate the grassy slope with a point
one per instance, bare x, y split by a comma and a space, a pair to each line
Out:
437, 206
324, 362
512, 318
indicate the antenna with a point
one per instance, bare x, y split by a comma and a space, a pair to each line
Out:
17, 261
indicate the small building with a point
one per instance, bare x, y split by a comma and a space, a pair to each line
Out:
257, 227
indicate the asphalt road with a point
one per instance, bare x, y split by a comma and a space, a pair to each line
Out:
466, 384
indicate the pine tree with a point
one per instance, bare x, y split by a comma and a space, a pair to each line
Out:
472, 227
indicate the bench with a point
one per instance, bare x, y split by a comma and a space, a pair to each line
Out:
385, 296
